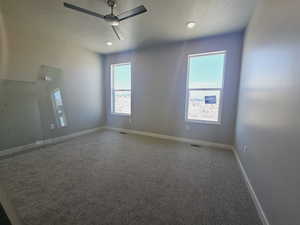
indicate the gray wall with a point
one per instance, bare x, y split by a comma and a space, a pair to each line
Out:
22, 53
159, 81
269, 108
19, 114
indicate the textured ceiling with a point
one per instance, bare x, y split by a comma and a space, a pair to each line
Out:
164, 22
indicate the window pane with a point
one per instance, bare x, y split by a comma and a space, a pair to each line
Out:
121, 88
122, 102
59, 111
57, 98
122, 76
204, 105
62, 121
206, 71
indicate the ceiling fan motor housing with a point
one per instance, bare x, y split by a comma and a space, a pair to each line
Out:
112, 20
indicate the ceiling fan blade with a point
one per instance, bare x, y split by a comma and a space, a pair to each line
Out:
74, 7
132, 12
117, 32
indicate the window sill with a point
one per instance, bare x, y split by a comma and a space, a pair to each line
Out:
120, 114
204, 122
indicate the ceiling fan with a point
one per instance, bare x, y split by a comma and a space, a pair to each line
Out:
111, 18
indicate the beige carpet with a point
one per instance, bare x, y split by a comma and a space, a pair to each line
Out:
107, 178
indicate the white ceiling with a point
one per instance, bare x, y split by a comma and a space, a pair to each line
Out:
164, 22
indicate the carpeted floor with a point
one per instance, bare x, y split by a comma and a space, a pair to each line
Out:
107, 178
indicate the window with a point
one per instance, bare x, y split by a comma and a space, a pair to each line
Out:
121, 88
58, 107
205, 87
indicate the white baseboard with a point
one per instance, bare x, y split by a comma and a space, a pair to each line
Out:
254, 197
179, 139
70, 136
41, 143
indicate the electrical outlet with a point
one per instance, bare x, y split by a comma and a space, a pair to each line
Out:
245, 148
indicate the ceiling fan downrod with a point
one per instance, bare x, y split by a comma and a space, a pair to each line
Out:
111, 4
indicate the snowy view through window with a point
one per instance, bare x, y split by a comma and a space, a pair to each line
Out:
121, 88
205, 87
201, 110
122, 102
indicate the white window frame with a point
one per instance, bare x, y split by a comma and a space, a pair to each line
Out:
219, 122
112, 89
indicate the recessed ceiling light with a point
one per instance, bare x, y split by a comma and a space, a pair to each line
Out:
109, 43
191, 24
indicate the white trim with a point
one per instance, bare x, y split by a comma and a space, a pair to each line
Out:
187, 89
179, 139
40, 143
204, 122
254, 197
208, 53
120, 114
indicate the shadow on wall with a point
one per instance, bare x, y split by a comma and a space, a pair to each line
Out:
31, 111
19, 114
3, 47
